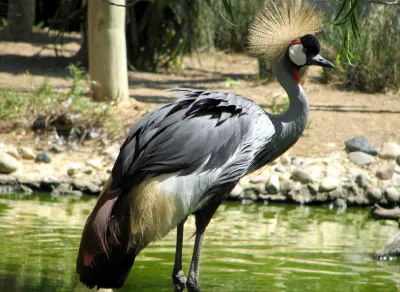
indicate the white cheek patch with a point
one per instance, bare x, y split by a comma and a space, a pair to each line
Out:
297, 55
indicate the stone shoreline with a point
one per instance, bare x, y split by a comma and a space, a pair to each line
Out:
348, 178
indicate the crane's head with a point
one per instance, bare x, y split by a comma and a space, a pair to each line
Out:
288, 31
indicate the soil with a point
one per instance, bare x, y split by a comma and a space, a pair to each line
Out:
335, 115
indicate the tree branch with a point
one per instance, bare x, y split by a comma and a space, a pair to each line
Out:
127, 5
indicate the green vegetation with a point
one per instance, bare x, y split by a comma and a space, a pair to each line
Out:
46, 101
376, 64
280, 104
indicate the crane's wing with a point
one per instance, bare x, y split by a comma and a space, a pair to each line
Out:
199, 132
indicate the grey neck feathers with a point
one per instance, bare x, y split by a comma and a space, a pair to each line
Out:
295, 118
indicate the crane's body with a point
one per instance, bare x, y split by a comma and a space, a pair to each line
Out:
185, 158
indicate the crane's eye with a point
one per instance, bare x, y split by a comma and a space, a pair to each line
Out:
304, 50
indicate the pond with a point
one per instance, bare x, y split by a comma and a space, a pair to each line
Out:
247, 248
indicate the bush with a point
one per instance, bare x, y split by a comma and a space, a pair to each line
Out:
377, 64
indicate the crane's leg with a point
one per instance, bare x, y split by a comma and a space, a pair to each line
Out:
178, 278
192, 283
203, 217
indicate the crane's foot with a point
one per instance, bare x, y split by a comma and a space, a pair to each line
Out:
179, 281
193, 285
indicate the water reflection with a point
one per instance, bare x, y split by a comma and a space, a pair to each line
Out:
247, 248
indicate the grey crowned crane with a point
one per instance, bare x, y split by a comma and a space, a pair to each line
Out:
186, 157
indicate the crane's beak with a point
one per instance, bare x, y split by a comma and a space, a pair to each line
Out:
319, 61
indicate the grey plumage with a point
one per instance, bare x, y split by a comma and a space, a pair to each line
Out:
185, 158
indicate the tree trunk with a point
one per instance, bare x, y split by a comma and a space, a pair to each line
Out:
107, 50
21, 16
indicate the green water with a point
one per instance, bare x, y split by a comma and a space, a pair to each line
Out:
246, 248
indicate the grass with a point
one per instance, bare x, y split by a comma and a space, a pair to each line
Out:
376, 66
44, 100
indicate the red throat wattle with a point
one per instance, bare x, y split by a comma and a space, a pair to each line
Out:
296, 75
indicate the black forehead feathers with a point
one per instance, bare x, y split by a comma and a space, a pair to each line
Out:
311, 42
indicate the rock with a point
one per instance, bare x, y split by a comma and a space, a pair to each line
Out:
87, 170
6, 179
340, 203
280, 168
392, 195
286, 186
56, 149
361, 180
360, 143
273, 185
360, 158
390, 150
297, 162
313, 188
13, 152
43, 157
373, 194
8, 163
64, 189
249, 194
236, 192
316, 170
112, 152
300, 176
385, 172
257, 179
95, 163
86, 186
74, 169
272, 198
49, 182
328, 184
25, 190
398, 160
32, 180
286, 159
27, 153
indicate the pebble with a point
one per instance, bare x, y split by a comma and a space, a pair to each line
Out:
360, 143
390, 150
56, 149
13, 152
385, 172
328, 184
27, 153
392, 195
300, 176
8, 163
273, 185
43, 157
360, 158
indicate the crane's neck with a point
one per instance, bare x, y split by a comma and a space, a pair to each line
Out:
294, 120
